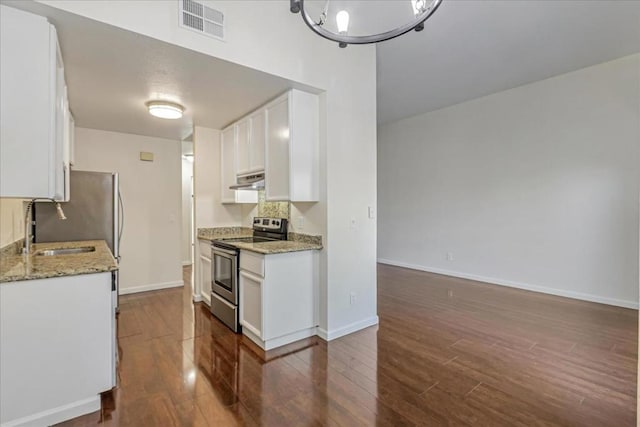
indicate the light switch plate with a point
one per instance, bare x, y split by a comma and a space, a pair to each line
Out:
146, 156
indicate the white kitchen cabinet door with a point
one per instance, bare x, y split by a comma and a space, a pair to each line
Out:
292, 148
227, 162
205, 278
63, 145
242, 147
257, 138
228, 170
72, 139
251, 302
277, 151
31, 108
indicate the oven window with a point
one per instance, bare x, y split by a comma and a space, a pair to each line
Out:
223, 272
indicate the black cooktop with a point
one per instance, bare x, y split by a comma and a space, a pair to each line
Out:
253, 239
228, 243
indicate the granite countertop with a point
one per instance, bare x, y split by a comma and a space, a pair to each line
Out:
15, 267
222, 233
297, 241
277, 247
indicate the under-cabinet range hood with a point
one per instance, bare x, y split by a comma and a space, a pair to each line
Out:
249, 182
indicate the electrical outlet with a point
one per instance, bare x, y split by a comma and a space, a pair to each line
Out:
352, 222
300, 222
372, 212
449, 256
352, 298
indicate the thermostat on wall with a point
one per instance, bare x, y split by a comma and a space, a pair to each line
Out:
146, 156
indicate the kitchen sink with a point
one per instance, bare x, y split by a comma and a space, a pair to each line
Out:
65, 251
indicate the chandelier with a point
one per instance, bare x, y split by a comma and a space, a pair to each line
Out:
364, 21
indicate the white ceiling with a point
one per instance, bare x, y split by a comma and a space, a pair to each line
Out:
469, 49
111, 73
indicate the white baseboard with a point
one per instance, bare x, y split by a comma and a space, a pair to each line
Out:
346, 330
186, 263
59, 414
518, 285
151, 287
206, 299
280, 341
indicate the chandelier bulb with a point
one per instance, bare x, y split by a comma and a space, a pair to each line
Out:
342, 21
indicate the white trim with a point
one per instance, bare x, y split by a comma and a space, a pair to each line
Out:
59, 414
253, 337
518, 285
206, 299
186, 263
322, 333
348, 329
279, 341
151, 287
290, 338
197, 298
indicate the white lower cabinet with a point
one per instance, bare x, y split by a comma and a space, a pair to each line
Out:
251, 302
202, 290
278, 297
57, 348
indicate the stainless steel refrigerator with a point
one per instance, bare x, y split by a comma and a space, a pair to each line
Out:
94, 212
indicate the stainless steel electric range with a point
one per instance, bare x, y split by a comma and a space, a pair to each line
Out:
225, 265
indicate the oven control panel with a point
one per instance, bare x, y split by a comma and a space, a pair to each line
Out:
270, 224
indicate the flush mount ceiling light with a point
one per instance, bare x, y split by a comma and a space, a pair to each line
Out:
165, 110
362, 22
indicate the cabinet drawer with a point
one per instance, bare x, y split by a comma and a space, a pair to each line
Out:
252, 262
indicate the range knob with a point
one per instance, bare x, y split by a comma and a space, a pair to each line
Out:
273, 222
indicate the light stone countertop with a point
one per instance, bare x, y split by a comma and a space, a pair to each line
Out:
19, 267
222, 233
297, 242
277, 247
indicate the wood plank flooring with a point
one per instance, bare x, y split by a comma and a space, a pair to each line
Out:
447, 352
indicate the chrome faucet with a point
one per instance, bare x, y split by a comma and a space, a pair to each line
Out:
28, 223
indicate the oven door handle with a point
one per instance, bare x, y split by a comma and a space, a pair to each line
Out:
224, 251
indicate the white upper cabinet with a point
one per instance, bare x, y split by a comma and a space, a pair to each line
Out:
242, 147
250, 134
72, 139
277, 164
34, 149
292, 148
280, 139
228, 147
256, 147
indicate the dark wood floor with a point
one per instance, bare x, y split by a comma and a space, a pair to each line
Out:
446, 352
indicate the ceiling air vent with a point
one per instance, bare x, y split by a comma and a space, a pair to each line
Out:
195, 16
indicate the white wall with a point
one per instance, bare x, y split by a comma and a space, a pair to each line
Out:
265, 36
11, 221
151, 192
535, 187
186, 231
